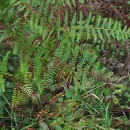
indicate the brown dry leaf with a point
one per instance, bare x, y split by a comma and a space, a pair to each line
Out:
31, 129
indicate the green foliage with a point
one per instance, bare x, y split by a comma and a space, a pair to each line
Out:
3, 71
58, 76
98, 28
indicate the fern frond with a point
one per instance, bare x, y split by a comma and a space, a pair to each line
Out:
21, 93
27, 89
4, 63
97, 28
17, 98
2, 84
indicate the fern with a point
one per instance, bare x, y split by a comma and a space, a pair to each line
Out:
3, 71
17, 98
4, 63
55, 45
2, 84
21, 94
27, 89
38, 67
97, 28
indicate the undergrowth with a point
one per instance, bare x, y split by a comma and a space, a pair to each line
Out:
51, 71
